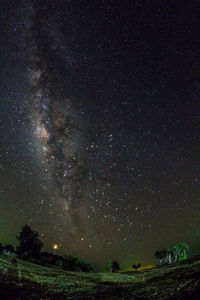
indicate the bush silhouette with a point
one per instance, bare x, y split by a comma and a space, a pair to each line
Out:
136, 267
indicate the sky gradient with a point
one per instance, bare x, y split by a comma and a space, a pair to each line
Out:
99, 124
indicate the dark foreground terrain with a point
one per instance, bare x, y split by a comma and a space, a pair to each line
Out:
22, 280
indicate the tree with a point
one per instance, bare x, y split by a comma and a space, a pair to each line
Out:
69, 263
109, 266
172, 256
168, 256
115, 266
136, 267
82, 265
180, 251
112, 266
184, 248
161, 257
29, 243
176, 253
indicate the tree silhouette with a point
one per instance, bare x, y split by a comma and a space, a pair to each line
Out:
168, 256
184, 248
29, 243
136, 267
161, 257
69, 263
180, 251
82, 265
112, 266
109, 266
115, 266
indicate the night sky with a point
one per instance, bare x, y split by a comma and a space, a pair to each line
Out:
100, 126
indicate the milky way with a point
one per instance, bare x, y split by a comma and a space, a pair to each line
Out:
55, 122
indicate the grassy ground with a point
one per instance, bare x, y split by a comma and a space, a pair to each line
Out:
23, 280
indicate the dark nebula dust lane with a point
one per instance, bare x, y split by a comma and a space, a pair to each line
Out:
99, 124
56, 120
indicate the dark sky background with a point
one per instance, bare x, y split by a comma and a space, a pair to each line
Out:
100, 126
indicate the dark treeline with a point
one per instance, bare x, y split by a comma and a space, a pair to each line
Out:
30, 249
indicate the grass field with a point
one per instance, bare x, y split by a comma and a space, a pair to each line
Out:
23, 280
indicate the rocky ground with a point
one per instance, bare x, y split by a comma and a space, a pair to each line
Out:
22, 280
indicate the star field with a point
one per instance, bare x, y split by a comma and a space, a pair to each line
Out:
99, 126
